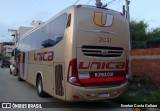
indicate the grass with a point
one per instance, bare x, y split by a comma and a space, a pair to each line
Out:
141, 90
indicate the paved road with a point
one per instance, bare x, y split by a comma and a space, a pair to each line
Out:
11, 90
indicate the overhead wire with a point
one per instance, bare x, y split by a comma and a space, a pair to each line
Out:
24, 14
110, 2
89, 2
106, 4
115, 2
119, 4
28, 14
76, 2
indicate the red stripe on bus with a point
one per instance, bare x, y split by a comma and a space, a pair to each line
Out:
108, 79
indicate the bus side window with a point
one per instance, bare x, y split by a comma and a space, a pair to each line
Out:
50, 42
58, 39
68, 21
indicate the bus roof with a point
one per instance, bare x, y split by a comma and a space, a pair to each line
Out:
63, 11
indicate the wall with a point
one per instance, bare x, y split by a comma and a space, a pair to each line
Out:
23, 30
7, 48
146, 62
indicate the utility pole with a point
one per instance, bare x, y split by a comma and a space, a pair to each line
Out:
128, 17
130, 37
15, 34
127, 10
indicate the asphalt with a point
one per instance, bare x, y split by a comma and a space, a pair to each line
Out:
11, 90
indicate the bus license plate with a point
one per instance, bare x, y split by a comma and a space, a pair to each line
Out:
102, 95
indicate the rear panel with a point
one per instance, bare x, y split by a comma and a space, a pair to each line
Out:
102, 44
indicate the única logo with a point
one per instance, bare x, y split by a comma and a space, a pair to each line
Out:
103, 20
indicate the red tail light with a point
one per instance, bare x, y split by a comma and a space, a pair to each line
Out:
126, 72
73, 73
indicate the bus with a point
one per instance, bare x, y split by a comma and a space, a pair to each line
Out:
81, 54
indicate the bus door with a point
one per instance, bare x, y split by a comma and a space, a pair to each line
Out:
59, 80
23, 68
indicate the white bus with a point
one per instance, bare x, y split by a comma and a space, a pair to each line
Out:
81, 54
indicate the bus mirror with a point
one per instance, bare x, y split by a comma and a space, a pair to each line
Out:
48, 43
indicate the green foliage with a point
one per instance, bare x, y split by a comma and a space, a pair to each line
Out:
154, 34
141, 90
140, 34
138, 30
139, 44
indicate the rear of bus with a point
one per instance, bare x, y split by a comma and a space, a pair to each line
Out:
100, 68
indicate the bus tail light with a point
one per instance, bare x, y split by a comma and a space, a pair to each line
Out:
73, 73
75, 97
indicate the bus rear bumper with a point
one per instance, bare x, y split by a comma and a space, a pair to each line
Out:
77, 93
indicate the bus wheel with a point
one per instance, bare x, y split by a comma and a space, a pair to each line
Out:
18, 74
20, 79
39, 86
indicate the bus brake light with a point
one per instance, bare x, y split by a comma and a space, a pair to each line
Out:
73, 73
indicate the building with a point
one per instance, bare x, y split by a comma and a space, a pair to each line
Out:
20, 32
6, 49
23, 30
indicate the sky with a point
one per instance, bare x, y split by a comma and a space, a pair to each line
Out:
16, 13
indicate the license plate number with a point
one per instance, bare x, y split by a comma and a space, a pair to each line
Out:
102, 95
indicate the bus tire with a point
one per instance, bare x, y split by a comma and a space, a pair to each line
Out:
39, 85
20, 79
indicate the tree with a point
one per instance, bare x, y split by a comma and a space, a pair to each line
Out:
138, 30
138, 33
154, 33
